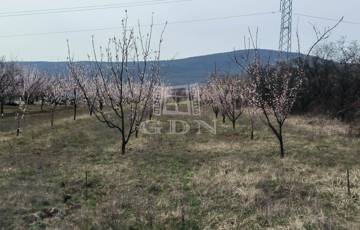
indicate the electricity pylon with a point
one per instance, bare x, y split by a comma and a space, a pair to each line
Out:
286, 25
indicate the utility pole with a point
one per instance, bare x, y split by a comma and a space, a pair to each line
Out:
286, 25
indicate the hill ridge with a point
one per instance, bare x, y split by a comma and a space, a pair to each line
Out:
181, 71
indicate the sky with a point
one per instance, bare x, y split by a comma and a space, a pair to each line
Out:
181, 40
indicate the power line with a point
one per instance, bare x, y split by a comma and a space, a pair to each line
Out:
75, 7
158, 24
88, 8
327, 19
222, 18
172, 23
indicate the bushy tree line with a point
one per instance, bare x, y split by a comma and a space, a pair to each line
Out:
331, 83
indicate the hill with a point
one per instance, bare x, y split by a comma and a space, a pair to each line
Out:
184, 71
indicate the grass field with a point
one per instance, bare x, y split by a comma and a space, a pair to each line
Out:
72, 176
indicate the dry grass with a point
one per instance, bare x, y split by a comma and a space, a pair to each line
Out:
319, 125
194, 181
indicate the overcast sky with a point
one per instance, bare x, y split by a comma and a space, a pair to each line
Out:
181, 40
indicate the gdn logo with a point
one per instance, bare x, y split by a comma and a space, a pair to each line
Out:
177, 100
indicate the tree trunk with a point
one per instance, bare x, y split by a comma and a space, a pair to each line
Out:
216, 114
282, 150
101, 106
252, 129
348, 182
75, 108
123, 148
18, 125
150, 115
233, 124
75, 105
2, 102
223, 118
91, 110
52, 116
42, 104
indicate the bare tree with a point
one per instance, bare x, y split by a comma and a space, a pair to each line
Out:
31, 83
321, 35
75, 99
73, 96
56, 94
227, 93
272, 88
120, 88
208, 99
276, 86
275, 89
250, 107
